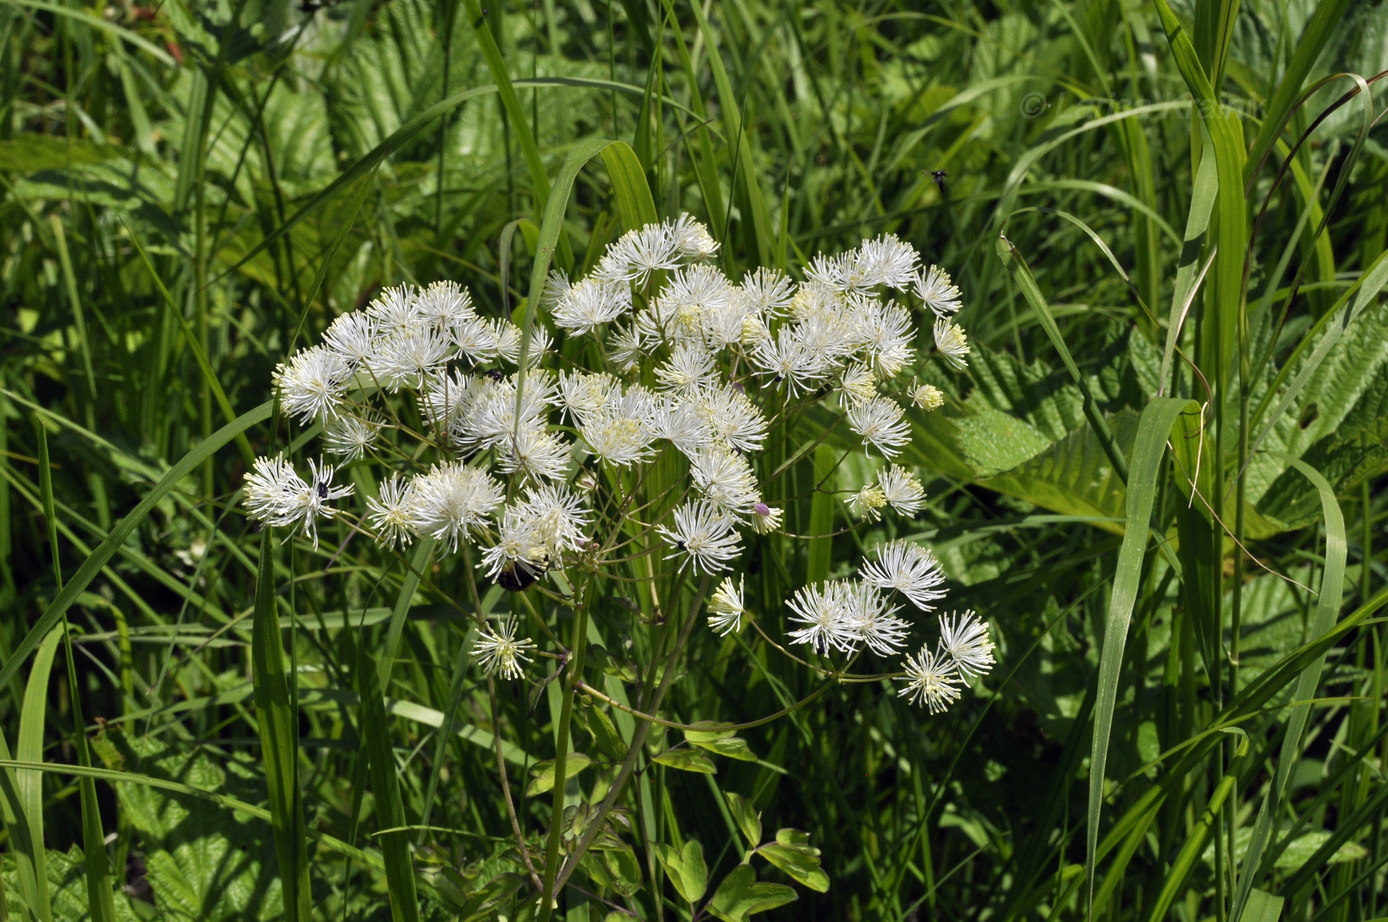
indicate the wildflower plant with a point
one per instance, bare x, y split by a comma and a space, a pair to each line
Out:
634, 442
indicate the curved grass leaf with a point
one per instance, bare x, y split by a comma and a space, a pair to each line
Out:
1328, 603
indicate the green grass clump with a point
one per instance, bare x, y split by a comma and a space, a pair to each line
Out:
1160, 477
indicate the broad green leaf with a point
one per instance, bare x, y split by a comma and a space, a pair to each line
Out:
604, 733
200, 863
687, 760
792, 853
748, 820
740, 896
542, 773
67, 888
686, 869
732, 747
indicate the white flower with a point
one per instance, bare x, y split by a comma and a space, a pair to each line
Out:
391, 513
883, 334
499, 652
703, 536
685, 426
618, 440
276, 495
582, 394
768, 291
535, 451
270, 489
445, 305
689, 369
312, 385
951, 343
638, 253
909, 569
870, 618
931, 680
765, 519
901, 489
395, 309
691, 238
928, 397
937, 291
886, 260
537, 531
626, 347
732, 415
787, 358
726, 607
726, 480
591, 302
452, 499
881, 424
349, 436
868, 502
353, 336
857, 384
964, 639
829, 624
406, 357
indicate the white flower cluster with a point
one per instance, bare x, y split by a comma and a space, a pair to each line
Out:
844, 614
681, 362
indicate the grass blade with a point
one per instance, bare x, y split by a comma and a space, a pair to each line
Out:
1153, 428
1328, 602
277, 725
390, 810
108, 548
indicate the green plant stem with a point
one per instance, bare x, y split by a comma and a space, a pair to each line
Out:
638, 742
549, 890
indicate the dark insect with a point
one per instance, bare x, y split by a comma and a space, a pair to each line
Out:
496, 374
322, 489
514, 578
939, 177
681, 545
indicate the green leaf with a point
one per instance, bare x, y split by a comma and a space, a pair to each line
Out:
1153, 429
200, 863
390, 809
740, 895
604, 733
97, 561
792, 853
687, 760
734, 747
686, 869
748, 820
543, 773
277, 723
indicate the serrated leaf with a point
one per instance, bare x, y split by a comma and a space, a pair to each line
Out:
733, 747
687, 760
741, 895
200, 863
543, 773
748, 820
686, 869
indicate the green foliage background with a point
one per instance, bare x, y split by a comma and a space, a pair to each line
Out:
1160, 478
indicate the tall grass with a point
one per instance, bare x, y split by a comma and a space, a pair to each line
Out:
1160, 478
